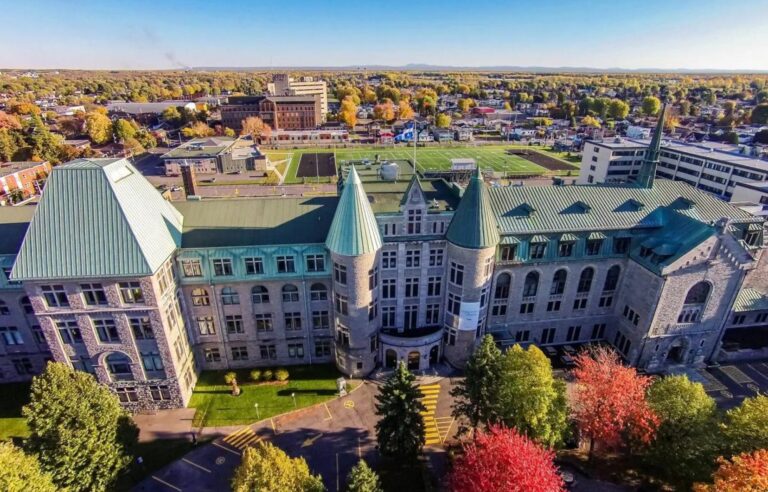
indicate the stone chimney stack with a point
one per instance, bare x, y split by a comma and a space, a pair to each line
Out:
188, 180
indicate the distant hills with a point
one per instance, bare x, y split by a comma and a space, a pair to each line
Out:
425, 67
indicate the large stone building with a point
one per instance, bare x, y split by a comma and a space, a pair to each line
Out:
284, 85
293, 112
145, 293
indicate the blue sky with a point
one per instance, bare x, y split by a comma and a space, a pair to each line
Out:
140, 34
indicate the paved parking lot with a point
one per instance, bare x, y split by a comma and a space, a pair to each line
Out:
729, 384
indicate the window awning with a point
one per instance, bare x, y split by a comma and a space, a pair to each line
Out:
509, 240
596, 235
569, 238
539, 238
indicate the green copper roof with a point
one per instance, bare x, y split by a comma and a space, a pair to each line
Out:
647, 172
750, 300
474, 225
98, 218
611, 207
354, 230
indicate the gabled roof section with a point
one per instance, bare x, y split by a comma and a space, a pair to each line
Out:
414, 193
750, 300
577, 207
354, 230
98, 218
474, 225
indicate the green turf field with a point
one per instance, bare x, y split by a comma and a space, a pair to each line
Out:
429, 158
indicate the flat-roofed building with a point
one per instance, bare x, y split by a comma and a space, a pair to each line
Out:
213, 155
283, 85
713, 167
21, 180
291, 112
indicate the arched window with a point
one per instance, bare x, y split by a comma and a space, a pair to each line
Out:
26, 305
585, 280
119, 366
290, 293
558, 282
229, 296
694, 303
318, 292
502, 286
4, 308
612, 278
200, 297
531, 285
698, 293
259, 294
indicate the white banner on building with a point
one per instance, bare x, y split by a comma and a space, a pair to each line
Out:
469, 315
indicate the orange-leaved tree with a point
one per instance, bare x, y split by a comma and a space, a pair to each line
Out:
609, 404
746, 472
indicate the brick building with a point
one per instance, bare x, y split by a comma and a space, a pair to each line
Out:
21, 180
295, 112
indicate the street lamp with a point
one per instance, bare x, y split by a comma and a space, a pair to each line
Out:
293, 395
256, 406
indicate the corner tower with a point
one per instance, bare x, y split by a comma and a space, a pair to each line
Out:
354, 243
472, 239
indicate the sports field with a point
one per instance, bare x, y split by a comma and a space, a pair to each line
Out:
428, 158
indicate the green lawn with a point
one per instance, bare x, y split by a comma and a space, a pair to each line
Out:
427, 158
12, 424
217, 407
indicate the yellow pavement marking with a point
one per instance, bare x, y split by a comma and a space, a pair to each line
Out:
330, 417
225, 448
234, 435
185, 460
166, 483
243, 440
349, 404
429, 386
273, 425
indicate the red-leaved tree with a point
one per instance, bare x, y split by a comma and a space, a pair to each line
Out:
502, 460
609, 404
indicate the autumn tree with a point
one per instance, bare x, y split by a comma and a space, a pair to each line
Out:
609, 403
442, 120
688, 436
502, 459
256, 128
617, 109
98, 127
20, 472
531, 399
400, 429
348, 112
746, 426
78, 430
266, 468
198, 130
650, 105
746, 472
123, 130
404, 110
465, 104
591, 121
362, 479
476, 397
384, 111
172, 115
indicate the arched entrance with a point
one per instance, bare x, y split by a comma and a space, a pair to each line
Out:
390, 359
434, 352
677, 352
413, 361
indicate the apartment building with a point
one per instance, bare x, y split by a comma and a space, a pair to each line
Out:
292, 112
21, 180
283, 85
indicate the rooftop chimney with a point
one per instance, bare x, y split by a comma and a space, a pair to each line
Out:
188, 180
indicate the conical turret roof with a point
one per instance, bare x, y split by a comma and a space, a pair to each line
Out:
354, 230
474, 225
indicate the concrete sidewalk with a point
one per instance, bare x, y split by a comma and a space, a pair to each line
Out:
165, 424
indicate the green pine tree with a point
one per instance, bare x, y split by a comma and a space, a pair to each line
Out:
400, 429
477, 396
79, 431
362, 478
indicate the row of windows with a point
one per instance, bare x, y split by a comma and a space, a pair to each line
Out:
223, 267
268, 351
93, 294
259, 295
565, 249
106, 330
263, 322
130, 394
412, 258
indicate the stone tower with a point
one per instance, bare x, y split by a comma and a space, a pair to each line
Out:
355, 244
472, 239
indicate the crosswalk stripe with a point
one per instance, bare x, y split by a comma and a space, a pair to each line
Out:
429, 386
236, 433
430, 392
242, 439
